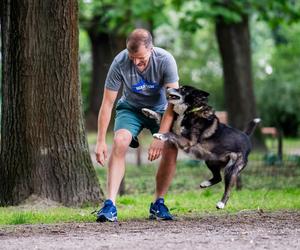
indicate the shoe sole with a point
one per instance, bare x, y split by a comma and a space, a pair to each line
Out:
102, 218
154, 217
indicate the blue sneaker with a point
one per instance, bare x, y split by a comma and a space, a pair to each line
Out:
158, 210
107, 213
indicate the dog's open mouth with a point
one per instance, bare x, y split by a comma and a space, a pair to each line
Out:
172, 94
173, 97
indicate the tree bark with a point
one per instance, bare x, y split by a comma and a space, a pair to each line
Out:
105, 47
43, 144
234, 45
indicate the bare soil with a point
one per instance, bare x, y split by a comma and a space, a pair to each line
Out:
245, 230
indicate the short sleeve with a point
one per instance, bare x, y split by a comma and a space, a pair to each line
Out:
170, 70
114, 78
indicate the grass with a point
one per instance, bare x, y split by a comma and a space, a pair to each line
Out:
182, 204
15, 216
189, 174
200, 203
267, 188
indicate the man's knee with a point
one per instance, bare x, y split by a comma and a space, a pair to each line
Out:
122, 140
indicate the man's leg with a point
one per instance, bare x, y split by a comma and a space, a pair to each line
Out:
166, 170
116, 164
164, 176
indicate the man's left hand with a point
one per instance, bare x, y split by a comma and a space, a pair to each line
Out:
155, 149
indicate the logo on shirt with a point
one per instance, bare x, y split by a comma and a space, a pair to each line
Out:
143, 85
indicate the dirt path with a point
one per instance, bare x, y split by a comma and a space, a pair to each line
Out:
251, 230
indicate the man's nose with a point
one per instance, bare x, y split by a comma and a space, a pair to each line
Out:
136, 61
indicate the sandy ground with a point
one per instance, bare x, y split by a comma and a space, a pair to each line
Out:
245, 230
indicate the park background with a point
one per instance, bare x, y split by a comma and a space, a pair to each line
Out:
245, 53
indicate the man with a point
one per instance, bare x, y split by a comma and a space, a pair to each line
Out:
144, 72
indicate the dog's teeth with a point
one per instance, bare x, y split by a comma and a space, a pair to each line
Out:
220, 205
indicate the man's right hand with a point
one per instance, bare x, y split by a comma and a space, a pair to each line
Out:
101, 152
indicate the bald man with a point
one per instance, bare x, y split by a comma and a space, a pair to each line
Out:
144, 72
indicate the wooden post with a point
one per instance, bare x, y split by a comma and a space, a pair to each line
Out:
280, 146
139, 156
122, 190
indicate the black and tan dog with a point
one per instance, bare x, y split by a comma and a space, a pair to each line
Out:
197, 131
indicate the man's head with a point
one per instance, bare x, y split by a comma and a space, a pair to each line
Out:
139, 46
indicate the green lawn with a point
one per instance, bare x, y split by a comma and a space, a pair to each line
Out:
267, 188
182, 204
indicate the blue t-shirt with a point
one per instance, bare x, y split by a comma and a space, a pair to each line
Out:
143, 89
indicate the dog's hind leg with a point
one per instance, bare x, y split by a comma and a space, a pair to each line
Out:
214, 167
231, 172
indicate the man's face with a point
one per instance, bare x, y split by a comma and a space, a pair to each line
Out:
141, 57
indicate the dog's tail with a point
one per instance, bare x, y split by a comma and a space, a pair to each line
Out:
251, 126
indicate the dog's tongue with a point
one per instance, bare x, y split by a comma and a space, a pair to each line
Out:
173, 96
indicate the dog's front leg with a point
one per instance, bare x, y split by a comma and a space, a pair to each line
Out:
152, 115
178, 141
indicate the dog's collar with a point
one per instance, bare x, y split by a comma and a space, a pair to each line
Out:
195, 109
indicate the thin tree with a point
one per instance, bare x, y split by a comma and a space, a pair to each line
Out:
43, 145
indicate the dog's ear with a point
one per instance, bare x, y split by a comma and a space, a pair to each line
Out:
204, 93
201, 96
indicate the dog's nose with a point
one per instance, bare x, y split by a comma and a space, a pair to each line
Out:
170, 90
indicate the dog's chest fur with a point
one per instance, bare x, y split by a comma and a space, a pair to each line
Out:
179, 110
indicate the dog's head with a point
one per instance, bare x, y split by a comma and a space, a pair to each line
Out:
186, 97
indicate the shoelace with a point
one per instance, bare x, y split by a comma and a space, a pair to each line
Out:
162, 208
100, 210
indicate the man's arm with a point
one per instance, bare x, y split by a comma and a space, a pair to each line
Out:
108, 100
156, 146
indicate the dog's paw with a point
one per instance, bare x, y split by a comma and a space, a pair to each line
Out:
220, 205
205, 184
151, 114
159, 136
147, 112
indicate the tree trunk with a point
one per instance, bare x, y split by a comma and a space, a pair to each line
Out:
234, 45
43, 143
104, 48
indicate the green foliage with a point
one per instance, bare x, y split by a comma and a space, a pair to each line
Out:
197, 11
197, 57
277, 12
274, 12
278, 94
121, 16
196, 52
